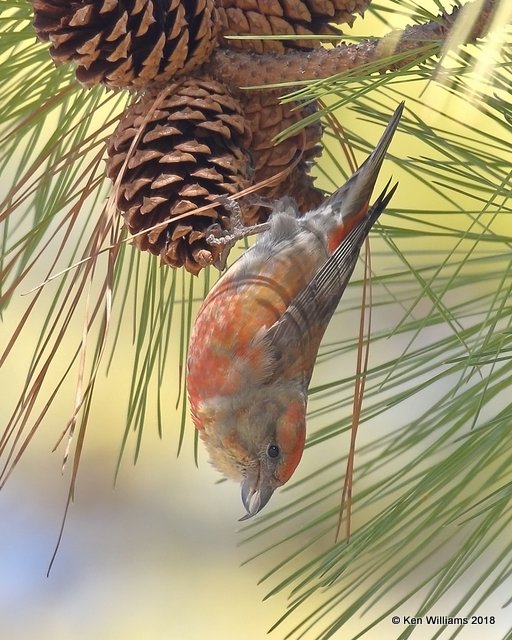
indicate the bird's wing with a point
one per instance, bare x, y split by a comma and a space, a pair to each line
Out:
294, 339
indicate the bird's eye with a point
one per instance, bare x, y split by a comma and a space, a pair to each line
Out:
273, 451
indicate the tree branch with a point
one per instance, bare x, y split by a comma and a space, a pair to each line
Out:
238, 69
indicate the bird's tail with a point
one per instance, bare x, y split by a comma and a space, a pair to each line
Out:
349, 204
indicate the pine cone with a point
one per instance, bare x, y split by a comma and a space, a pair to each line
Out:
284, 17
267, 117
299, 184
128, 43
191, 149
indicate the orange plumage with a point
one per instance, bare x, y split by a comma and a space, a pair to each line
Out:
257, 334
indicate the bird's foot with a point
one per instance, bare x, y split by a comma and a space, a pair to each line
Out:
227, 238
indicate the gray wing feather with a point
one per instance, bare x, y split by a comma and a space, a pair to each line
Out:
309, 313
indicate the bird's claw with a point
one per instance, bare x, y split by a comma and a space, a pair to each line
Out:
228, 238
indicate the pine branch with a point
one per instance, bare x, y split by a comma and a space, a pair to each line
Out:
234, 68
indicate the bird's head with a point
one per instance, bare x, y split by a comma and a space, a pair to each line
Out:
258, 442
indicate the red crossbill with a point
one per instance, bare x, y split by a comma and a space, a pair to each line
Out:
257, 334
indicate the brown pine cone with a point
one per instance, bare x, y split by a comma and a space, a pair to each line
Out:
190, 150
284, 17
128, 43
267, 118
299, 185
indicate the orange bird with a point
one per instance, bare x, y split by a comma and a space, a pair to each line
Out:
257, 334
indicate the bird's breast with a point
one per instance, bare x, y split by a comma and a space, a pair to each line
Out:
224, 355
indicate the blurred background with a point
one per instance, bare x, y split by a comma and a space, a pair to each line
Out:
157, 554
